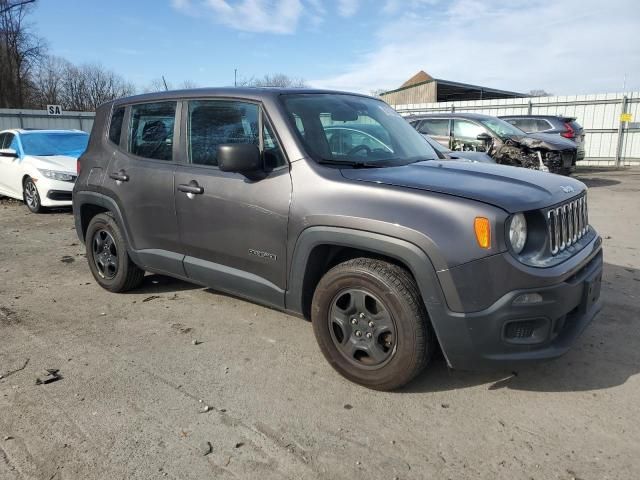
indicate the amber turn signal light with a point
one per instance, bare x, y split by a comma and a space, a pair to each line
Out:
483, 232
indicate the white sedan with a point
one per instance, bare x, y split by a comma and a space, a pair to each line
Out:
39, 166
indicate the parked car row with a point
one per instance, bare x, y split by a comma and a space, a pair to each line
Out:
553, 150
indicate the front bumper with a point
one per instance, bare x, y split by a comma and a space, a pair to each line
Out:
506, 334
54, 193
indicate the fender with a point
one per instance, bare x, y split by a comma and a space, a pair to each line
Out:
407, 253
95, 198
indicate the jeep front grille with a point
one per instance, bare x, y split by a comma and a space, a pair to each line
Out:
567, 224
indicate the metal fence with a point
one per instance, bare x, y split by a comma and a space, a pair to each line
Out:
608, 142
10, 118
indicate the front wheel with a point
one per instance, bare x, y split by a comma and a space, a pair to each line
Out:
31, 196
107, 255
371, 324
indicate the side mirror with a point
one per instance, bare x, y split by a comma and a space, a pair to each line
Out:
239, 157
8, 152
484, 137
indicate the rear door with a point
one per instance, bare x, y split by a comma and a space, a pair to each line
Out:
438, 129
234, 230
140, 178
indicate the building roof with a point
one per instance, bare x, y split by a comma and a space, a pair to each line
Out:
420, 77
449, 91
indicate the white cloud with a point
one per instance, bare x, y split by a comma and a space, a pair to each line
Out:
347, 8
268, 16
561, 46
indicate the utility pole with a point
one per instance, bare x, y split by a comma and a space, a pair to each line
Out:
235, 77
165, 83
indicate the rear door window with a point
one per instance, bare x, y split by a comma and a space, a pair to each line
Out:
151, 130
541, 125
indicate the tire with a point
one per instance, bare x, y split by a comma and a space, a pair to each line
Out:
361, 291
31, 197
107, 255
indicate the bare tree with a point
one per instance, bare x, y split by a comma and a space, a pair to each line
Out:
377, 92
539, 92
188, 84
20, 52
273, 80
85, 87
47, 81
158, 85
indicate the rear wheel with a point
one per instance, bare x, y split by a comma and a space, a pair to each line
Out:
31, 196
371, 324
107, 255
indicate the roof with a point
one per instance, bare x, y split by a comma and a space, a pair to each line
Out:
420, 77
251, 93
476, 116
448, 91
544, 117
23, 131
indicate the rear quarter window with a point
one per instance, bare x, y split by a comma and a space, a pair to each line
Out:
115, 126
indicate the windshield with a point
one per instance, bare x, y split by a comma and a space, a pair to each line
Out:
353, 130
501, 128
71, 144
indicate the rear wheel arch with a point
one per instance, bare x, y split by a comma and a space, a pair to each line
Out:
87, 212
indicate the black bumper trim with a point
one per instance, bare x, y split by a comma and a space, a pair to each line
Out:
59, 195
475, 341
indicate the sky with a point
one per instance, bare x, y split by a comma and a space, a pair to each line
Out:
562, 46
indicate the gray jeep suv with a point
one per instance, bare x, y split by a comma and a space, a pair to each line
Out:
388, 250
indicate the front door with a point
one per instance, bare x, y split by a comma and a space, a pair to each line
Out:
437, 129
233, 228
140, 178
465, 136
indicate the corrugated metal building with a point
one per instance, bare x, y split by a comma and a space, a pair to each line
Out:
423, 88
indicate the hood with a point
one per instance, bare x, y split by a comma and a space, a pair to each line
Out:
547, 141
513, 189
61, 163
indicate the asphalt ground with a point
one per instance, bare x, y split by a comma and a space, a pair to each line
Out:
134, 387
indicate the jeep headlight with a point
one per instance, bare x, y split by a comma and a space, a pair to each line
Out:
517, 232
55, 175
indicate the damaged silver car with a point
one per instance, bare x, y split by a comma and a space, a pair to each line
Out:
503, 142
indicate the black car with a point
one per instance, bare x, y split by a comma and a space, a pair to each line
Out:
502, 141
566, 127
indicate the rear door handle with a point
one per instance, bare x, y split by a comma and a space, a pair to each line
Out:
119, 176
192, 187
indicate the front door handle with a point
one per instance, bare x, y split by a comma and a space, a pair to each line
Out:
191, 188
119, 176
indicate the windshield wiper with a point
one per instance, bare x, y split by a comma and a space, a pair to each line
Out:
351, 163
